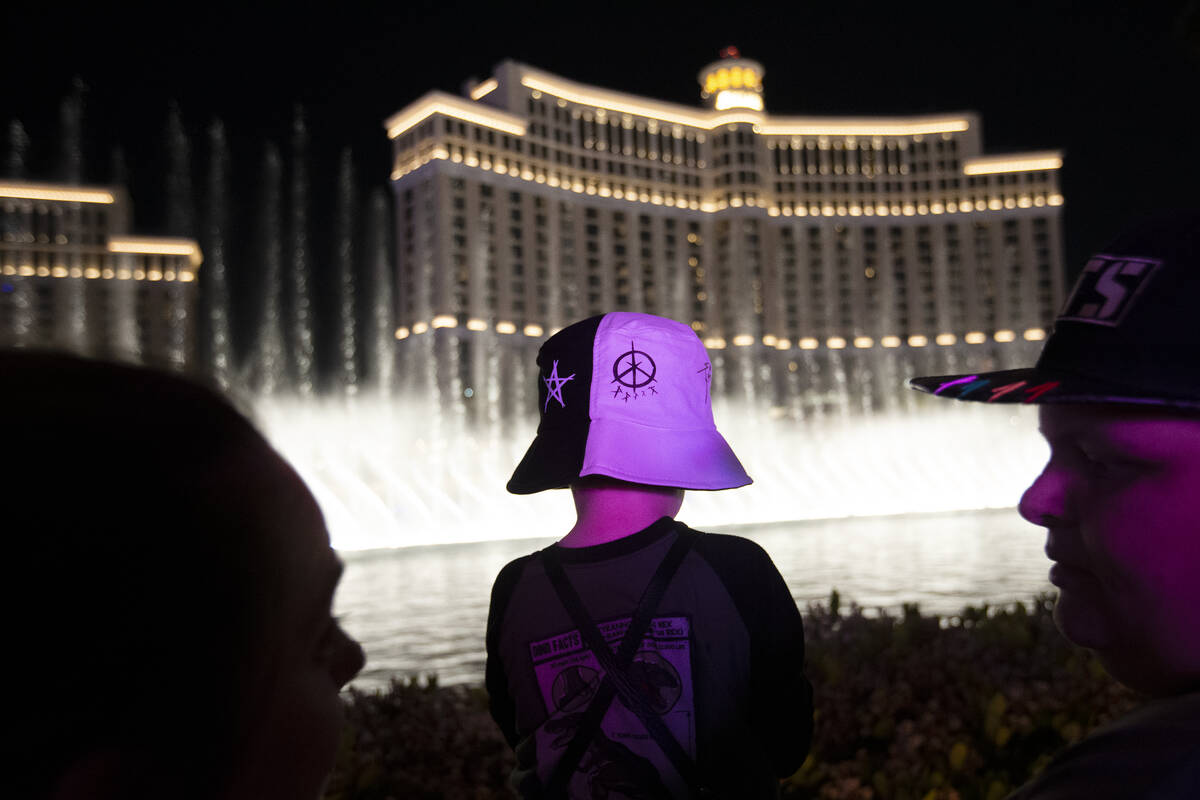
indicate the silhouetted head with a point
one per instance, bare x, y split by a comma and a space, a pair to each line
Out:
172, 581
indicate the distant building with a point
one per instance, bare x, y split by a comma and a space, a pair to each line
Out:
534, 201
73, 278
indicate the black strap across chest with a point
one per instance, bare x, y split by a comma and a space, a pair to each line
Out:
616, 680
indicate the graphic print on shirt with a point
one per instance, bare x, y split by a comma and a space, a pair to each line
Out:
623, 760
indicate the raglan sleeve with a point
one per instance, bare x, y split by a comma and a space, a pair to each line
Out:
500, 700
781, 694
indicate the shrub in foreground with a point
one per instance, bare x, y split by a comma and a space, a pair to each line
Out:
969, 706
420, 741
909, 707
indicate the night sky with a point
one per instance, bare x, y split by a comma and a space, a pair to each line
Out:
1113, 84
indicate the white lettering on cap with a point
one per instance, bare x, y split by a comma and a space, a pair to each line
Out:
1106, 289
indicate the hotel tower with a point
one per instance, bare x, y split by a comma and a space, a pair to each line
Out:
788, 243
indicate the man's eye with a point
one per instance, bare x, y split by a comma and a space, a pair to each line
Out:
1105, 464
1093, 459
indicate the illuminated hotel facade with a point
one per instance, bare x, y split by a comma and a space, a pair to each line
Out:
72, 278
534, 201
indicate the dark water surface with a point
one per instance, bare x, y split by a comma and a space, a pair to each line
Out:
421, 610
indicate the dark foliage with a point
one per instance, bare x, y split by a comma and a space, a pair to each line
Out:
909, 707
420, 741
970, 706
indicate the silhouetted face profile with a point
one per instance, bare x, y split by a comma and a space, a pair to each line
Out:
1120, 499
174, 580
306, 657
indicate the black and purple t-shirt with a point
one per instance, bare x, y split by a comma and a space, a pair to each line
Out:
722, 664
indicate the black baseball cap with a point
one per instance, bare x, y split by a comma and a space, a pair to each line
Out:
1128, 333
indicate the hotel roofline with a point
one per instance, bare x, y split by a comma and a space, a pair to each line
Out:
61, 192
482, 107
102, 196
487, 104
707, 179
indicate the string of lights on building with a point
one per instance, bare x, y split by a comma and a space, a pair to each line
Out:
73, 277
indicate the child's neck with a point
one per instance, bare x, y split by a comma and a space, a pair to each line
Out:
608, 510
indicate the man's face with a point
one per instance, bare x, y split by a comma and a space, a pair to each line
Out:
307, 658
1120, 499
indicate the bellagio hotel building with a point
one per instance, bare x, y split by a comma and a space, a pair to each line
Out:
532, 201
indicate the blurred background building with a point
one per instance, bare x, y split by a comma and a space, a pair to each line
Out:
532, 201
72, 277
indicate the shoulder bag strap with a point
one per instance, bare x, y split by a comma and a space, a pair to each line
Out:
616, 667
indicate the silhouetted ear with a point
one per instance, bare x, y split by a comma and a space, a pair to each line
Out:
106, 774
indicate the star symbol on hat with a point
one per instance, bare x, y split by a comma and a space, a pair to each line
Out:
554, 386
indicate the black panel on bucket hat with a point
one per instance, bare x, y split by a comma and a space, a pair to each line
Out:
1128, 333
626, 395
556, 455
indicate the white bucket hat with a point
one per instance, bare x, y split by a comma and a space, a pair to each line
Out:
628, 396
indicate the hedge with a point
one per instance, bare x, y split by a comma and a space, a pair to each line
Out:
909, 707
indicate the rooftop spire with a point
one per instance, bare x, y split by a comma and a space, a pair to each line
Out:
732, 81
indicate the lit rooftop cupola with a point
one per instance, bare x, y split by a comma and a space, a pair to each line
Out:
732, 82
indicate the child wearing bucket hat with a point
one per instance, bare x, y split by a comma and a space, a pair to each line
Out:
1118, 390
637, 657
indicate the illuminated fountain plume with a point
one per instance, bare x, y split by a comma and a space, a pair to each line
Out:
267, 368
22, 303
381, 350
386, 477
70, 118
347, 343
217, 342
17, 158
181, 221
300, 311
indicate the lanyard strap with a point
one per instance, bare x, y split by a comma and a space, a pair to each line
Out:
616, 666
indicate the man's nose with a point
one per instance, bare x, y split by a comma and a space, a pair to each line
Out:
1047, 500
349, 661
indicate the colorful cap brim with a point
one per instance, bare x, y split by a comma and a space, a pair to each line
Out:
1038, 385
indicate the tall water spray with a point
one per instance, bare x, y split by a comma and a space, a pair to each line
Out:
181, 215
118, 167
20, 320
73, 334
266, 368
181, 221
217, 339
379, 293
346, 373
299, 305
16, 160
70, 116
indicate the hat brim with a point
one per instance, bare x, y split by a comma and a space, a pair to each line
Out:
1039, 385
695, 459
552, 461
